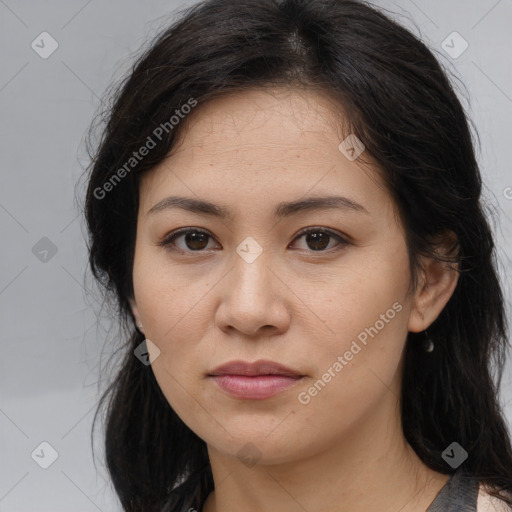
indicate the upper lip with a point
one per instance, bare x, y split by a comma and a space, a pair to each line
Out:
261, 367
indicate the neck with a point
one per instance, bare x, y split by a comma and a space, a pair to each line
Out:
372, 467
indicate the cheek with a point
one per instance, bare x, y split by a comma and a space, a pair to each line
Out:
357, 369
176, 322
353, 295
366, 343
363, 308
169, 299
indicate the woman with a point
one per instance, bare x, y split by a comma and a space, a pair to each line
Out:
285, 206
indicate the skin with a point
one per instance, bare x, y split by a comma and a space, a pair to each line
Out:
345, 449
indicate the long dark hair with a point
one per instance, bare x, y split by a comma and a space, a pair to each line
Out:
399, 102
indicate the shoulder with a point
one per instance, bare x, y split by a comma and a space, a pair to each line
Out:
488, 503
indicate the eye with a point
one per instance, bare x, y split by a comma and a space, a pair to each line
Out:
318, 238
195, 240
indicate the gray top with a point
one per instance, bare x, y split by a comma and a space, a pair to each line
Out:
459, 494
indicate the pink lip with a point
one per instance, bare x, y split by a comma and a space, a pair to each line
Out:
255, 388
257, 381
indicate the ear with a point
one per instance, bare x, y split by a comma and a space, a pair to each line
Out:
136, 314
436, 285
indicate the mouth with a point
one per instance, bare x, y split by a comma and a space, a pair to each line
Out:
257, 368
256, 381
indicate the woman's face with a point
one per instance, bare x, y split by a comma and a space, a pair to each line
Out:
332, 305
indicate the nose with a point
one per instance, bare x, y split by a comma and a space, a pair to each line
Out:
253, 299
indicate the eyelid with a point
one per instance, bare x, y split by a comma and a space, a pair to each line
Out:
343, 240
168, 239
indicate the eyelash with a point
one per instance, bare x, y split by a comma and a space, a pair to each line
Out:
169, 241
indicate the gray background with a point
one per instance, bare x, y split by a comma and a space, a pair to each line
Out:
53, 330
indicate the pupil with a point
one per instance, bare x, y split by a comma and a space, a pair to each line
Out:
195, 244
314, 240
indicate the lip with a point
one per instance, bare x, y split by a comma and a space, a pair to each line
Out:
255, 381
260, 367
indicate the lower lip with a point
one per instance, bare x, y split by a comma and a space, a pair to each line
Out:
255, 388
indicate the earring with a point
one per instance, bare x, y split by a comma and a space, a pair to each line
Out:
428, 343
140, 327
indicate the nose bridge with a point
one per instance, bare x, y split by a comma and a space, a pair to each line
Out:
250, 298
251, 272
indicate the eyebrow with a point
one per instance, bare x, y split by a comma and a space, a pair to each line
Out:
283, 209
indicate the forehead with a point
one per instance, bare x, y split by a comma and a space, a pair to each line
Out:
268, 144
266, 116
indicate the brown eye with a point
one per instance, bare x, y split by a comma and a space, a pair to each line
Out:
194, 240
318, 239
